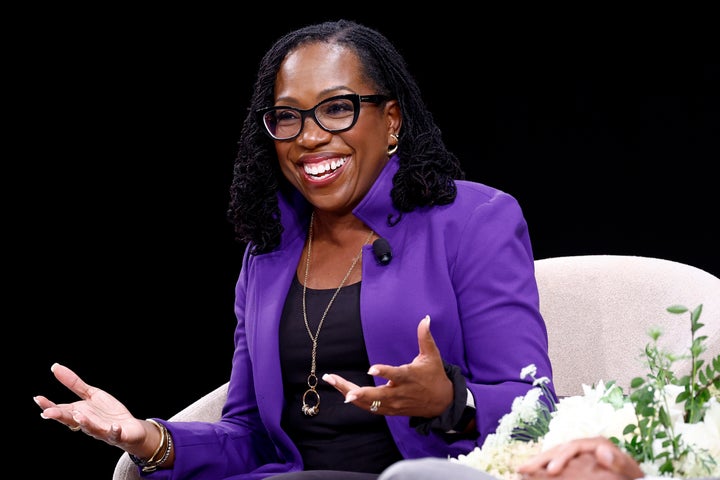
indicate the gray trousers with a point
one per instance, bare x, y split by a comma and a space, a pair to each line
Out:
432, 469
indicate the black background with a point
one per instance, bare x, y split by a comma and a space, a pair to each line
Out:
121, 261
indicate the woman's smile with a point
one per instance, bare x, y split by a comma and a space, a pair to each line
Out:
321, 170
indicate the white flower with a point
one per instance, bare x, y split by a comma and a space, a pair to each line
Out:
530, 370
541, 381
527, 408
703, 437
587, 416
506, 426
666, 444
500, 460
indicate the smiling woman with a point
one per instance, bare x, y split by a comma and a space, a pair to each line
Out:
128, 154
334, 350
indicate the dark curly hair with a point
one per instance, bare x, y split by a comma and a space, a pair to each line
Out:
427, 171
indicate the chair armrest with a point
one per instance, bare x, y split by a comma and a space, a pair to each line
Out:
207, 408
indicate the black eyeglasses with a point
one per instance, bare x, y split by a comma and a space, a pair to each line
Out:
334, 114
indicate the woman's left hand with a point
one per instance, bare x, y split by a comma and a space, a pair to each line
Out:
418, 389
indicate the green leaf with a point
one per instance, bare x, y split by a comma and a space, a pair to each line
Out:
664, 418
677, 309
696, 313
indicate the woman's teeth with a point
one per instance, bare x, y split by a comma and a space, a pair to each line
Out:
319, 169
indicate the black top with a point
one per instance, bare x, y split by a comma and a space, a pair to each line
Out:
341, 436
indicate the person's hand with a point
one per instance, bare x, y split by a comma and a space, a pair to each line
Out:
99, 415
420, 388
594, 458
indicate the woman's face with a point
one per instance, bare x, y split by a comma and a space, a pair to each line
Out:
351, 160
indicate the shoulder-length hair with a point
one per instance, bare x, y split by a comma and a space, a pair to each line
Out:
427, 169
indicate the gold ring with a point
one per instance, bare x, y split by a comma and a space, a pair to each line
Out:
374, 406
74, 429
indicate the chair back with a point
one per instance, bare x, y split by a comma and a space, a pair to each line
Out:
599, 308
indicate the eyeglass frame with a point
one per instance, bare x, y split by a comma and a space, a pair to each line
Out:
356, 99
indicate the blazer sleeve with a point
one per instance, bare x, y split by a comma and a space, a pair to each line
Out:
503, 330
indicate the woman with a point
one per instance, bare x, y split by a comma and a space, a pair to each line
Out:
360, 229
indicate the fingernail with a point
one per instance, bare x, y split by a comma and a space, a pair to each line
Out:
329, 379
350, 397
373, 371
52, 367
35, 399
42, 415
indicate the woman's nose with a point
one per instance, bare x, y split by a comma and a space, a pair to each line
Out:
312, 133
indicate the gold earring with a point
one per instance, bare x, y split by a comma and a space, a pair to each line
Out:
393, 148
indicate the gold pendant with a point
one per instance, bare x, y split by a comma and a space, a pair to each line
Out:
311, 410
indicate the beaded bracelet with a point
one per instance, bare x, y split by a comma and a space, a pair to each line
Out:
165, 446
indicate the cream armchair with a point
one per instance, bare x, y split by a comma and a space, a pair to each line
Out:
207, 408
598, 309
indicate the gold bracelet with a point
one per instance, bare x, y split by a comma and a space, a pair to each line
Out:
166, 455
165, 446
163, 441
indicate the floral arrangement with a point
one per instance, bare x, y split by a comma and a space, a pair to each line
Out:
670, 425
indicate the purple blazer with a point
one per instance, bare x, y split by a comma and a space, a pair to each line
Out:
469, 265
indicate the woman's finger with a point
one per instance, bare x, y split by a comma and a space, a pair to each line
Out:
72, 381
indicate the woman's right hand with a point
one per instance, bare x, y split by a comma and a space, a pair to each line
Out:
99, 415
420, 388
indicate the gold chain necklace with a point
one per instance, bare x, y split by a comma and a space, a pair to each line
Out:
312, 380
